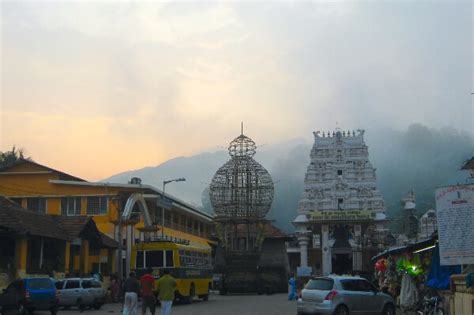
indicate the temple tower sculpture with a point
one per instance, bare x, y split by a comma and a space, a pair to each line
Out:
341, 214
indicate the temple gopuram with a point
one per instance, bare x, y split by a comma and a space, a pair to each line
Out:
341, 221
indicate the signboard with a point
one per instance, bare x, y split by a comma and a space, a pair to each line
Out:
455, 215
341, 215
316, 241
164, 203
303, 271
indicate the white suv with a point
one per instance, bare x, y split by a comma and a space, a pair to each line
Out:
341, 295
80, 292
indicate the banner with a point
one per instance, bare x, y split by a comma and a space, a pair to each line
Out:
341, 215
455, 215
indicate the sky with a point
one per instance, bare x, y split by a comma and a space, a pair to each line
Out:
97, 88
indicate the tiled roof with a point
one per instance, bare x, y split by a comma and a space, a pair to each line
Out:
469, 165
270, 231
23, 161
75, 226
273, 232
108, 241
85, 228
17, 220
21, 221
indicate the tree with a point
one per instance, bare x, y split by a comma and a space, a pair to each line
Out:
10, 157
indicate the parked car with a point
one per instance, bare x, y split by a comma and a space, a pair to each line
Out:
342, 295
81, 292
28, 295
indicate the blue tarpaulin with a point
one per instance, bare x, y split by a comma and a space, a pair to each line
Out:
439, 276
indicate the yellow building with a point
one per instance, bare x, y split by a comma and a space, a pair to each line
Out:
37, 244
135, 207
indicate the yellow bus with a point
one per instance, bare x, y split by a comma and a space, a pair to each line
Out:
191, 266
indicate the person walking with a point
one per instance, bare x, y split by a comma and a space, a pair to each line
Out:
292, 288
115, 288
166, 286
147, 282
131, 287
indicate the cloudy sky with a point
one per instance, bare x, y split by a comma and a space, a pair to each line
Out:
96, 88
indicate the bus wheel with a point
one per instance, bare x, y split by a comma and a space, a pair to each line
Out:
205, 297
190, 297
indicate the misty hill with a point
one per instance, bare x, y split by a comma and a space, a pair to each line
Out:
418, 158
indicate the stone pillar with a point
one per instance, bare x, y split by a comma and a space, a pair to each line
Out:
21, 254
111, 263
84, 257
356, 250
128, 257
326, 251
356, 259
67, 257
303, 243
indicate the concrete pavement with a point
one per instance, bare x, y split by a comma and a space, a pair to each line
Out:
276, 304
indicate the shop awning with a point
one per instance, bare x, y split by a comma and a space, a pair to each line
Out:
424, 244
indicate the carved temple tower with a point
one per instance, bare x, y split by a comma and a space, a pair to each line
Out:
341, 215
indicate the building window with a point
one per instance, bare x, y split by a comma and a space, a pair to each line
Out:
17, 201
339, 172
340, 204
196, 228
158, 218
182, 224
168, 218
71, 205
176, 221
190, 225
97, 205
36, 204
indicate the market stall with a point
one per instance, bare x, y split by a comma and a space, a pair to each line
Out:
413, 272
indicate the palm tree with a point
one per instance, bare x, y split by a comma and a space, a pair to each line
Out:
10, 157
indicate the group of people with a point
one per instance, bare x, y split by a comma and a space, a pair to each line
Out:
132, 287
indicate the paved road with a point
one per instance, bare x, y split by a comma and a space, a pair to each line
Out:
276, 304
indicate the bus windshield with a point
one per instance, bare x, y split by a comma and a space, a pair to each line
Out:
154, 259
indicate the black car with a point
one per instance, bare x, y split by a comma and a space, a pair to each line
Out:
28, 295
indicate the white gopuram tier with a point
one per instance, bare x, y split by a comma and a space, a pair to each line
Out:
340, 175
340, 205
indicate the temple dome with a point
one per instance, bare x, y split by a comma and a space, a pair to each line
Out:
241, 188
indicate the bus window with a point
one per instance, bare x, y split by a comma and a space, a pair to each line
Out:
169, 258
139, 261
154, 258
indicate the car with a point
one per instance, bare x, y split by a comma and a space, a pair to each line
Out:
342, 295
81, 292
28, 295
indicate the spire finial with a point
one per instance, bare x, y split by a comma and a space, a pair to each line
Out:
241, 127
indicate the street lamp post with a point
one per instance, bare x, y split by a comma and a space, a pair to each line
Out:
181, 179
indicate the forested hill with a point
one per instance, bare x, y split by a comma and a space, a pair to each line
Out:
418, 158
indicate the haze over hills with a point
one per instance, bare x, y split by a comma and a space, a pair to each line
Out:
418, 158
